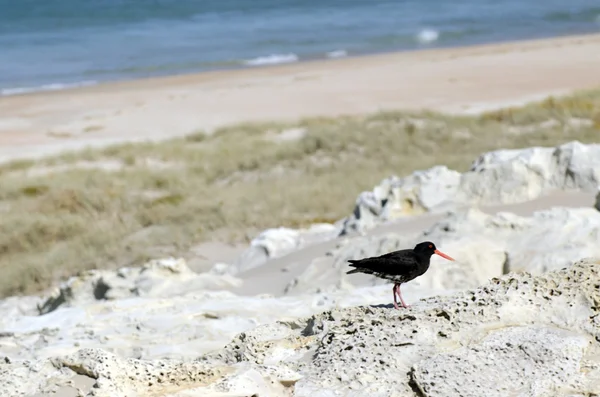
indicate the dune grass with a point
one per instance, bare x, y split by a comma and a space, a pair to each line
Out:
127, 203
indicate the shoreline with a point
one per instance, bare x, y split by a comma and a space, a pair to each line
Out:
463, 80
32, 90
219, 73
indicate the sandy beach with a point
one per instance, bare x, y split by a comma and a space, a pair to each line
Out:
458, 80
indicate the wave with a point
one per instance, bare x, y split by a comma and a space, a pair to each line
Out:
337, 54
272, 60
392, 41
45, 87
428, 36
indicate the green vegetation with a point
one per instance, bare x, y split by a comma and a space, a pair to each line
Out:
125, 204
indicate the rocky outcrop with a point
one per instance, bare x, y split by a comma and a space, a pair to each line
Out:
164, 310
516, 335
277, 242
498, 177
157, 278
483, 245
394, 197
176, 327
95, 372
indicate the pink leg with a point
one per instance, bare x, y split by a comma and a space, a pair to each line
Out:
394, 292
400, 295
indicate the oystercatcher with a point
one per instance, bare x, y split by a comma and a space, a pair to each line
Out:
399, 266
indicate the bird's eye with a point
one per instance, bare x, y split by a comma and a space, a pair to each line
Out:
430, 246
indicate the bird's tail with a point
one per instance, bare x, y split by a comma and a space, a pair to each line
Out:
353, 271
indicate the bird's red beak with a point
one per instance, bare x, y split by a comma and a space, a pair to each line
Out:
440, 253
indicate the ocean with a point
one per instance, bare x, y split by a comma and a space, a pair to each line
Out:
53, 44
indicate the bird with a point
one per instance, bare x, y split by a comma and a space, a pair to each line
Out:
399, 266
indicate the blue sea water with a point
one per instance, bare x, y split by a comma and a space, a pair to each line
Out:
51, 44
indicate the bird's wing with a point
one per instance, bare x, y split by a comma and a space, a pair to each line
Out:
377, 259
392, 263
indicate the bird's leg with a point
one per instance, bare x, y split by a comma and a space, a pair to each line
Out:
400, 295
394, 292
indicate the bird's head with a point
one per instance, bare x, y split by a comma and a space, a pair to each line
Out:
427, 248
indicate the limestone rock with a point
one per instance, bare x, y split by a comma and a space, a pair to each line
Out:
515, 335
277, 242
483, 245
518, 334
157, 278
545, 241
176, 327
498, 177
110, 375
395, 197
536, 360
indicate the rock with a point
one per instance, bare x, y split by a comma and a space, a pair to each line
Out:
271, 243
157, 278
498, 177
536, 360
396, 197
175, 327
515, 335
597, 203
222, 269
545, 241
277, 242
111, 375
483, 245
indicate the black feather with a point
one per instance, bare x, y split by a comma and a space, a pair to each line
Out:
398, 266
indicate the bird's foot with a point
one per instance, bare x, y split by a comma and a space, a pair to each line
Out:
396, 306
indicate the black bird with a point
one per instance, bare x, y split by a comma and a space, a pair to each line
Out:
398, 266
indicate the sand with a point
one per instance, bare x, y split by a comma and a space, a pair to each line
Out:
457, 80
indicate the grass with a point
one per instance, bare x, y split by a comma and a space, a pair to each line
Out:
59, 218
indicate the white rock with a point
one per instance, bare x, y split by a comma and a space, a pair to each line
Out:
517, 335
157, 278
178, 327
498, 177
277, 242
394, 197
483, 245
535, 360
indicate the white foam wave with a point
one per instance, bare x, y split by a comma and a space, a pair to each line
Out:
45, 87
337, 54
272, 59
428, 35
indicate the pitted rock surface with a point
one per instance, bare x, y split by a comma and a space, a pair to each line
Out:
552, 319
535, 360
